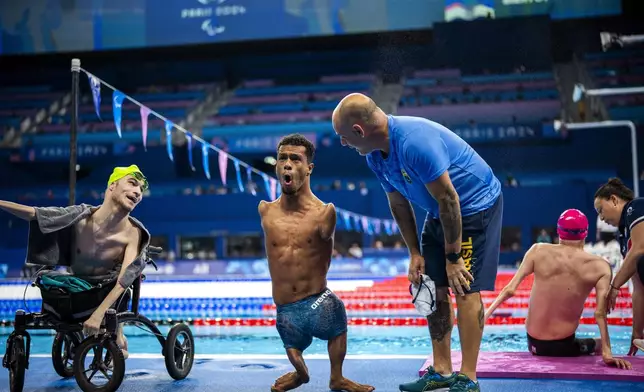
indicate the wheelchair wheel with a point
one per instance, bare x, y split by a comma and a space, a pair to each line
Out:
179, 351
18, 364
91, 371
62, 352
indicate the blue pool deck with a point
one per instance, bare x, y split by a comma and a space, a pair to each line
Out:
249, 359
257, 375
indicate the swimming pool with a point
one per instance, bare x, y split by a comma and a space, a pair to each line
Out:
363, 340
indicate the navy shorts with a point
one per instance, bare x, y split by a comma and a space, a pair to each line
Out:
322, 316
480, 243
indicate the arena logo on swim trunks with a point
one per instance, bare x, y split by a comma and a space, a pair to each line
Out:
319, 301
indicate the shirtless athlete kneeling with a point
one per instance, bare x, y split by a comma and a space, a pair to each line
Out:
564, 276
107, 240
299, 233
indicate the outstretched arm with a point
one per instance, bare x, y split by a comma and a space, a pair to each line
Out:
21, 211
526, 268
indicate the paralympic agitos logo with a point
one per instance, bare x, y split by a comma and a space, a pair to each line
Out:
211, 11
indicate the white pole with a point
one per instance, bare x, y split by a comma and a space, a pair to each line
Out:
608, 39
580, 90
615, 91
611, 124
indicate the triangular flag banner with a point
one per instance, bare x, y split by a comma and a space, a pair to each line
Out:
238, 172
387, 225
145, 112
206, 163
117, 104
267, 186
95, 86
249, 174
347, 220
189, 146
223, 165
356, 222
273, 187
168, 138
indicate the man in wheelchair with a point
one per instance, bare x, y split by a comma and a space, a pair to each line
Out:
97, 244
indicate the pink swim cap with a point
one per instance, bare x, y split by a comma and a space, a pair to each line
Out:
572, 225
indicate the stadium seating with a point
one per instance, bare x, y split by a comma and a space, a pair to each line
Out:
19, 103
266, 101
619, 69
446, 95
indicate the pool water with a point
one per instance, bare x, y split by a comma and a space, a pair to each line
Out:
362, 340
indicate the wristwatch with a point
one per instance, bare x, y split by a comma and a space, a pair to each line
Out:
454, 257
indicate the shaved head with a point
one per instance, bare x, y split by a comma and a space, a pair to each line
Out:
360, 123
355, 108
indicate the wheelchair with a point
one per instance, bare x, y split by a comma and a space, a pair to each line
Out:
71, 348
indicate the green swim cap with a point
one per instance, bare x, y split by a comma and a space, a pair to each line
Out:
134, 171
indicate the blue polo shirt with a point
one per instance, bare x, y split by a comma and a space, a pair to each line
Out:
420, 151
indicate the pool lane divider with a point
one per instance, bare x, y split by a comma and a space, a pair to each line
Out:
353, 321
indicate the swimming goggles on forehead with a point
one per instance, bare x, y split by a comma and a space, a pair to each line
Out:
141, 178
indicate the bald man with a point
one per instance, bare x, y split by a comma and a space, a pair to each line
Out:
420, 161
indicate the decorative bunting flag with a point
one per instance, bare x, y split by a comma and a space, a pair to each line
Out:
349, 220
117, 104
251, 185
267, 186
238, 171
168, 138
223, 165
145, 112
189, 147
95, 86
206, 163
273, 187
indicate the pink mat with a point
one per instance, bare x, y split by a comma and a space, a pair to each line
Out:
525, 365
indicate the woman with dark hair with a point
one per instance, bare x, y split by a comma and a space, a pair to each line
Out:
616, 205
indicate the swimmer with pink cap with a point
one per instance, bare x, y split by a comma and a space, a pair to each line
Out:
572, 226
564, 277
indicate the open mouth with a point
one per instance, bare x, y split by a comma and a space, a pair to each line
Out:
132, 199
288, 179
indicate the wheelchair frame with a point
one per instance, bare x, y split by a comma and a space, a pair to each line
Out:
24, 322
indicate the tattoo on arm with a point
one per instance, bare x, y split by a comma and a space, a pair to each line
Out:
450, 216
440, 322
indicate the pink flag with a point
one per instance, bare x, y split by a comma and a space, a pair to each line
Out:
144, 125
365, 223
273, 187
223, 165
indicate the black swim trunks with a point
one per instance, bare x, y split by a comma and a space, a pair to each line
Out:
568, 347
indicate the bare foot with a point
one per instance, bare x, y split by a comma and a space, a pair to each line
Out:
122, 343
287, 382
347, 385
